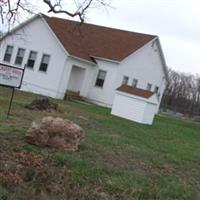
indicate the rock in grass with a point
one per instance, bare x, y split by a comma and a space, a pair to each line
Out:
55, 132
42, 103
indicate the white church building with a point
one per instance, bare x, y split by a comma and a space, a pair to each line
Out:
103, 65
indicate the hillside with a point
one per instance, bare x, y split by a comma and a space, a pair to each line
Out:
118, 159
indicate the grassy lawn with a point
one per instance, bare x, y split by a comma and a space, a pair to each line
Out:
118, 159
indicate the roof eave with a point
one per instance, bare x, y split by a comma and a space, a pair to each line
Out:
143, 46
162, 58
54, 35
106, 59
83, 60
147, 100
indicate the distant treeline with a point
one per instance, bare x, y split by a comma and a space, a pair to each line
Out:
182, 93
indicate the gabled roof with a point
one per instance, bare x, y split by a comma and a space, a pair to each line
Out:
87, 40
135, 91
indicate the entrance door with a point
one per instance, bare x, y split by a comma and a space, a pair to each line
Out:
76, 79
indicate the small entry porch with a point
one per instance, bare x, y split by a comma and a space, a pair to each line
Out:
75, 83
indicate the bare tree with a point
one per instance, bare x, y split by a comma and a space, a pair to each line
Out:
11, 9
182, 92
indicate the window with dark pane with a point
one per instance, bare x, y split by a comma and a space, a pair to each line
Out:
20, 56
44, 63
100, 78
31, 59
125, 80
156, 89
8, 53
135, 82
149, 85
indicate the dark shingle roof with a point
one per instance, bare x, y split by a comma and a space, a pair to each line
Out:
87, 40
135, 91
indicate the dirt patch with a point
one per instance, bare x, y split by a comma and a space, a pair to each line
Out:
37, 176
33, 174
16, 167
125, 162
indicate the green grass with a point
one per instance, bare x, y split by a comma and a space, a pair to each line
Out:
118, 159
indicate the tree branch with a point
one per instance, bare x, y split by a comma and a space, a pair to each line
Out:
81, 9
11, 9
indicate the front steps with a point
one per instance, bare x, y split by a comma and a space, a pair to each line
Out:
71, 95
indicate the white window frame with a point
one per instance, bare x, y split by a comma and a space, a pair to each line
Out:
156, 89
7, 53
98, 78
42, 62
149, 86
125, 80
134, 82
29, 58
18, 56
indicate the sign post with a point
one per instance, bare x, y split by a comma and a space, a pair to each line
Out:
12, 77
13, 91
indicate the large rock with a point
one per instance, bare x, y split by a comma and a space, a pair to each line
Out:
55, 132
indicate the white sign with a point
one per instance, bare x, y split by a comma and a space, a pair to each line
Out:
10, 76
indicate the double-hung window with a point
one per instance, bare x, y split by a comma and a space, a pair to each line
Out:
134, 83
31, 59
100, 78
8, 53
125, 80
156, 89
20, 56
149, 85
44, 62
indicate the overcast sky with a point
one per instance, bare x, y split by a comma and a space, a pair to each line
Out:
176, 22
